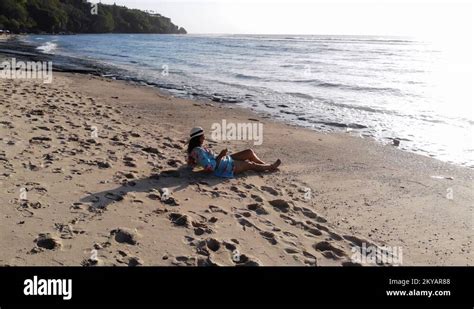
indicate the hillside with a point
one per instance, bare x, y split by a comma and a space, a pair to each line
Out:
76, 16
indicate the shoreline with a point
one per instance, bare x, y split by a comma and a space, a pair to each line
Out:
68, 64
360, 129
361, 191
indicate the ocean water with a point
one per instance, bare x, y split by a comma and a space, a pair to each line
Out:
417, 91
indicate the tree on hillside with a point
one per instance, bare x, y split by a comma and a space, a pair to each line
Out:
56, 16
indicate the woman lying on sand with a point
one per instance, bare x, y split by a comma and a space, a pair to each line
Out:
223, 165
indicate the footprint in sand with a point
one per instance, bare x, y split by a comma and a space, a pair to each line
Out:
257, 198
310, 214
199, 231
129, 161
291, 251
310, 259
131, 261
257, 208
213, 244
245, 223
356, 241
269, 190
206, 262
314, 231
171, 201
329, 250
184, 261
217, 209
246, 214
48, 242
201, 226
213, 220
237, 257
269, 236
180, 219
333, 235
239, 192
280, 205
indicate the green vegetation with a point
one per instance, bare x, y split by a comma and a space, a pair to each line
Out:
78, 16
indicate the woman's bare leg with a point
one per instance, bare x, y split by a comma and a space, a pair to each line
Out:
248, 154
243, 166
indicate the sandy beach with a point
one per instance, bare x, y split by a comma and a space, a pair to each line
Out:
85, 160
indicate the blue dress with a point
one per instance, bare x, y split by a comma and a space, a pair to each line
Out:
206, 158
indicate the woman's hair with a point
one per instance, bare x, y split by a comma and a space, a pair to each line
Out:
193, 143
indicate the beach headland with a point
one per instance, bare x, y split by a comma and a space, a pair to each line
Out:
92, 174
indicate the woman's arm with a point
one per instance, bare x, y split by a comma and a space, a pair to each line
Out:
220, 156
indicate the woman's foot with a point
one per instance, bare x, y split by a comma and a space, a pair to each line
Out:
275, 165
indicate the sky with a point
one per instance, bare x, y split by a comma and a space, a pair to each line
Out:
416, 18
446, 23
